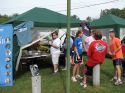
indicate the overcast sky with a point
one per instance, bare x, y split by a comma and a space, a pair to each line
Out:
10, 7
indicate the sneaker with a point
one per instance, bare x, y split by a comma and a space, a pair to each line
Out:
118, 83
113, 80
83, 84
78, 77
64, 69
74, 79
55, 73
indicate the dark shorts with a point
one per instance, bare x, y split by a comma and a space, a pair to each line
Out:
123, 60
117, 62
76, 60
88, 70
65, 52
123, 63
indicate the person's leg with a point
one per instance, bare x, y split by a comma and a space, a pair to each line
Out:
74, 72
55, 60
77, 72
87, 72
84, 82
115, 71
75, 69
123, 67
78, 68
65, 67
118, 70
84, 78
55, 68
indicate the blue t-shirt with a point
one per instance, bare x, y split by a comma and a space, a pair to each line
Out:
78, 44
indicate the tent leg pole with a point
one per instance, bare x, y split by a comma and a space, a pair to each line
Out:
68, 47
18, 60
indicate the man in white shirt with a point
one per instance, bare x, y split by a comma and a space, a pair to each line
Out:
55, 50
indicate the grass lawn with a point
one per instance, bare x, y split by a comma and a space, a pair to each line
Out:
56, 84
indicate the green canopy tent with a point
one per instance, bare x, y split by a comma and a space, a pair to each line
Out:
41, 17
109, 21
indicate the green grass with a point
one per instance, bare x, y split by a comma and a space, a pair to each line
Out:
57, 84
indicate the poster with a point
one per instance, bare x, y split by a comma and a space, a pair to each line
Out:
6, 44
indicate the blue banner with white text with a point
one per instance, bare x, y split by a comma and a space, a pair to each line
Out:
6, 46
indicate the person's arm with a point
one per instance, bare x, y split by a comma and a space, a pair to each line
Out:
109, 50
84, 46
57, 45
89, 52
106, 48
75, 48
118, 44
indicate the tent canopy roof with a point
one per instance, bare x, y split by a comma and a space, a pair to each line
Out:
43, 17
108, 21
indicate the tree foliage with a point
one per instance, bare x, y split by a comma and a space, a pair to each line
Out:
114, 11
4, 18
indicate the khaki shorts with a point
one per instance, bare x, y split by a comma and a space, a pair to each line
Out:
55, 58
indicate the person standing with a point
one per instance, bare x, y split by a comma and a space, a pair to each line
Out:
117, 56
88, 41
55, 50
96, 54
73, 35
123, 51
65, 51
78, 49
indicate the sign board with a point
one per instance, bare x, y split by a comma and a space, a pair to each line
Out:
6, 46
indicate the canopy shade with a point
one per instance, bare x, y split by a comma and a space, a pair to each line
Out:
43, 17
108, 21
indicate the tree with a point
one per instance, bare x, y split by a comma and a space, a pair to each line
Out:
3, 18
14, 15
89, 19
114, 11
75, 16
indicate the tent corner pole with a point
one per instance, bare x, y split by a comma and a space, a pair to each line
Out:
68, 47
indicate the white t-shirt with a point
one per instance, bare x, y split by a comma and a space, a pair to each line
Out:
56, 42
89, 40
